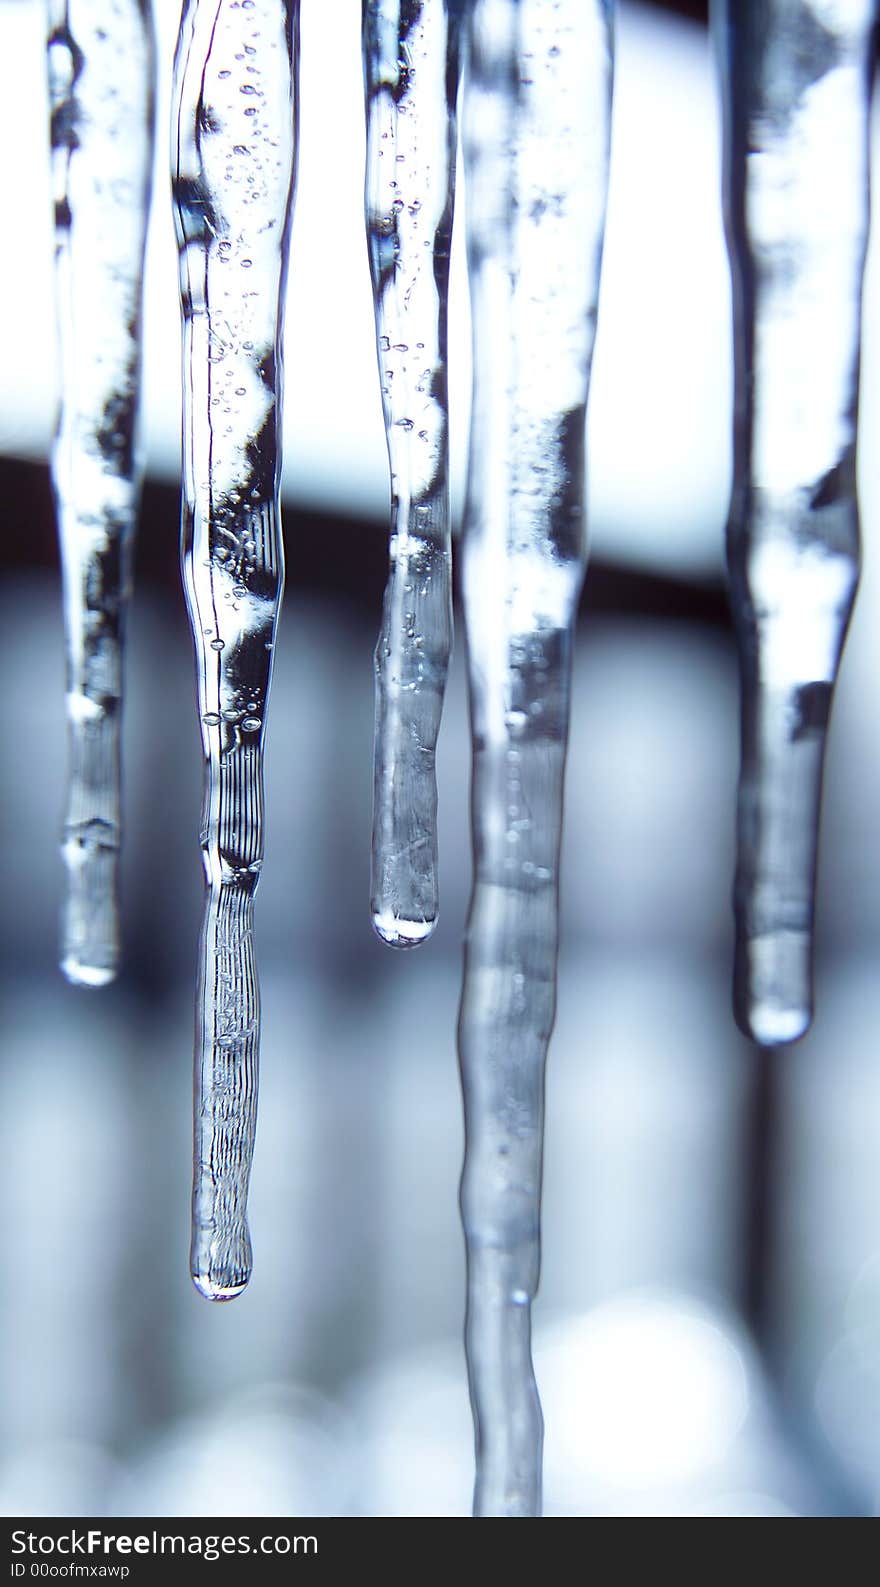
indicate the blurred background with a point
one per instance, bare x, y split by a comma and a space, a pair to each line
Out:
708, 1326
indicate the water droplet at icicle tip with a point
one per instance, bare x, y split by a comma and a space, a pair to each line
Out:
534, 278
233, 164
796, 93
101, 157
411, 71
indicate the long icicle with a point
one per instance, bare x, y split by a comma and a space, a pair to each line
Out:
234, 149
411, 73
101, 83
797, 80
536, 130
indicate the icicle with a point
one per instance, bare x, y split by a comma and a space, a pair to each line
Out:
797, 87
411, 69
100, 59
233, 165
536, 118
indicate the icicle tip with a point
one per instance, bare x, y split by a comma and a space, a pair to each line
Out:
396, 932
209, 1289
89, 975
772, 988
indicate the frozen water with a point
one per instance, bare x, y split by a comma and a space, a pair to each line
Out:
411, 72
796, 79
101, 72
233, 156
536, 136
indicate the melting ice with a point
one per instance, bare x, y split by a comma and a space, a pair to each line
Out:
101, 72
233, 159
536, 139
796, 86
411, 72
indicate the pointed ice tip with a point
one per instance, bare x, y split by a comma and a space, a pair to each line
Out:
772, 1026
211, 1290
773, 987
91, 975
399, 933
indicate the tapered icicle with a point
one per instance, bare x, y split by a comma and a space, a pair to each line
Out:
233, 158
796, 89
536, 131
411, 69
101, 69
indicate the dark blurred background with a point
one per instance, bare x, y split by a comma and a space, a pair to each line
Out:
708, 1329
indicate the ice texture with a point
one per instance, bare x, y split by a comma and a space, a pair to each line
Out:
411, 54
233, 161
536, 122
796, 89
101, 91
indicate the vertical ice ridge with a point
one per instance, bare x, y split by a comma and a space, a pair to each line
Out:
536, 136
227, 1058
233, 158
101, 76
796, 88
411, 70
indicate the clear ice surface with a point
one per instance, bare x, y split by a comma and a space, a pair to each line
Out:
796, 88
233, 160
101, 86
536, 120
411, 72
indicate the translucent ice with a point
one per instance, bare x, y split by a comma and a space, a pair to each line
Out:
101, 69
536, 135
796, 79
234, 145
411, 71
